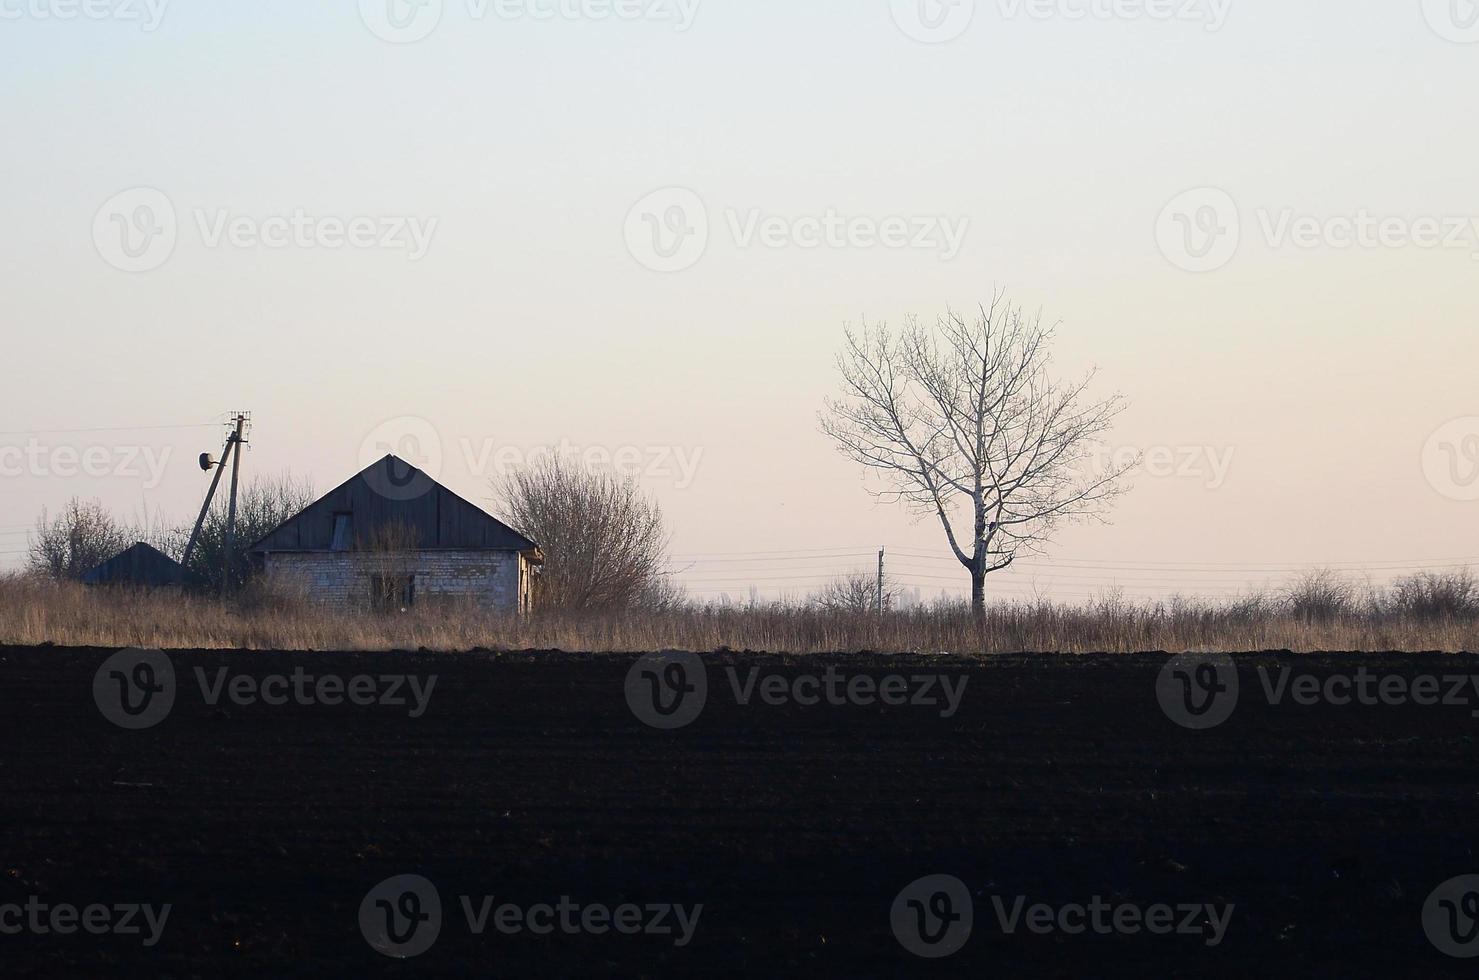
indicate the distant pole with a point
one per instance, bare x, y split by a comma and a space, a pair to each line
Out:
880, 581
236, 441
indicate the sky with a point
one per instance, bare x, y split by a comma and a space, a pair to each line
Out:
471, 230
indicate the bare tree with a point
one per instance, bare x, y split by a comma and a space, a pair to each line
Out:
605, 543
261, 505
855, 592
77, 540
964, 423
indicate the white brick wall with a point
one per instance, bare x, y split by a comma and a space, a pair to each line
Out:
496, 580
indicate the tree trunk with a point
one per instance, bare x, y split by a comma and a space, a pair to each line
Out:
978, 593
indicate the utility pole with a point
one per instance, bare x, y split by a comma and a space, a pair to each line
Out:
236, 441
880, 581
207, 463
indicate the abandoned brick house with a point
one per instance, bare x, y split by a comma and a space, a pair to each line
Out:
392, 537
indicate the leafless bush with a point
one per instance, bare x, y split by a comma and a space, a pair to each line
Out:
604, 541
856, 592
1321, 595
81, 537
1435, 595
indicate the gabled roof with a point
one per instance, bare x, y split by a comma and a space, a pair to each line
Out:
388, 493
140, 564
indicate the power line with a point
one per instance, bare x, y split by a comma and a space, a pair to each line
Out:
110, 428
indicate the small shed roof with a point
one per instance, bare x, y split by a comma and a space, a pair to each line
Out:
141, 564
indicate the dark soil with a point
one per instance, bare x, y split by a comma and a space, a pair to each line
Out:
529, 778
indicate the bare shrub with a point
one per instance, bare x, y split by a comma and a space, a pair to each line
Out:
78, 539
604, 542
1321, 595
1435, 595
855, 592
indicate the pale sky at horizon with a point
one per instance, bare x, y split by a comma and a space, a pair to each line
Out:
1316, 398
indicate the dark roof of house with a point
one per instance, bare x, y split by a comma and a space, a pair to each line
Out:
393, 493
140, 564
